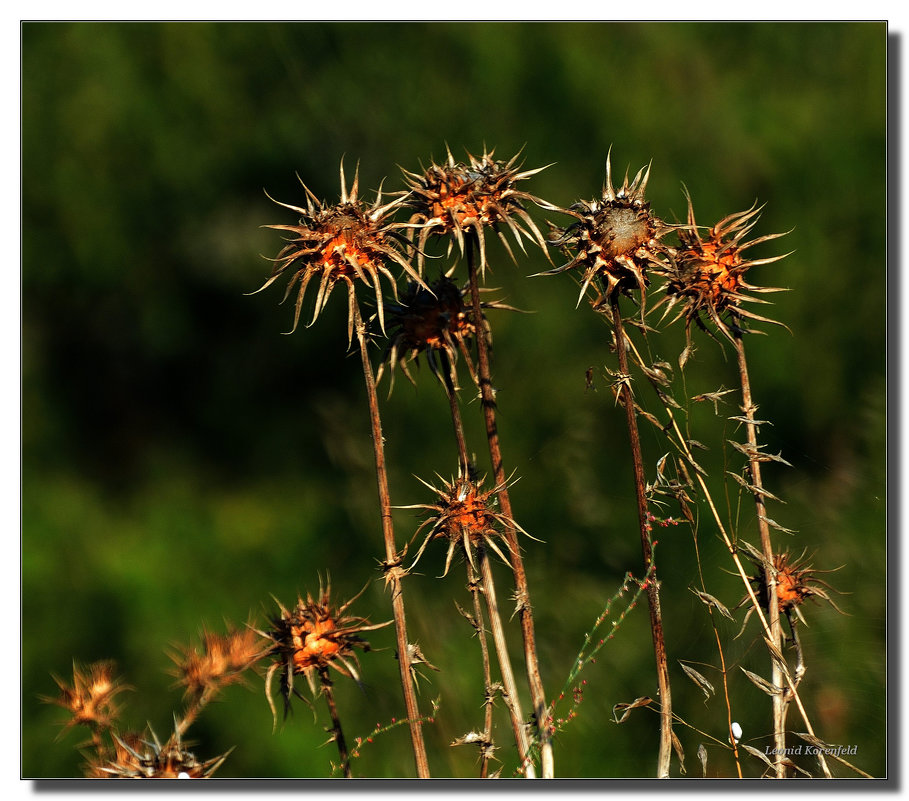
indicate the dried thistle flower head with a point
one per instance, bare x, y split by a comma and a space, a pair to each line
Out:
222, 660
457, 198
436, 320
706, 275
796, 581
90, 699
136, 757
343, 243
312, 637
467, 517
615, 239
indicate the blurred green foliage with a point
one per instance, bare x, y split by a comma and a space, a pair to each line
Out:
183, 461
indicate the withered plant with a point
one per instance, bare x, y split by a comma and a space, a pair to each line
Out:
310, 640
612, 243
622, 254
126, 754
458, 201
350, 243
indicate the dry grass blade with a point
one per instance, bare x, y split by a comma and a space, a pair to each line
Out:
698, 678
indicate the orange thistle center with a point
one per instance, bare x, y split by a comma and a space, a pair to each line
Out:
345, 249
313, 643
469, 513
715, 274
457, 201
790, 589
428, 322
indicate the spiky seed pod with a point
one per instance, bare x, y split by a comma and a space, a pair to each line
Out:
456, 198
315, 635
136, 757
613, 240
466, 516
90, 699
796, 581
222, 660
437, 321
706, 274
347, 243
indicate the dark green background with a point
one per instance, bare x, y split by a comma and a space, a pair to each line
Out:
182, 461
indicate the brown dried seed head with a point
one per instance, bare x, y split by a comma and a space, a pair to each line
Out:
458, 198
137, 757
221, 661
314, 636
348, 243
436, 320
706, 274
796, 581
467, 517
614, 240
90, 699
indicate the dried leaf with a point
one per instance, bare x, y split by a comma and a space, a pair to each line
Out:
679, 751
762, 684
693, 443
626, 708
708, 599
697, 678
777, 526
788, 763
754, 752
713, 397
753, 489
749, 549
752, 422
755, 454
702, 756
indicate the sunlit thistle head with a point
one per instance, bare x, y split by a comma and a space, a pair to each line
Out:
614, 240
456, 199
467, 517
312, 637
220, 661
796, 581
347, 243
136, 757
90, 698
706, 275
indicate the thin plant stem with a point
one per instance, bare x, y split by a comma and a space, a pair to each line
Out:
748, 407
336, 731
681, 442
486, 747
498, 631
653, 586
394, 572
498, 637
719, 648
522, 591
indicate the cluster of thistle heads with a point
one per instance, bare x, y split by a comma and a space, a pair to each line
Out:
613, 244
314, 636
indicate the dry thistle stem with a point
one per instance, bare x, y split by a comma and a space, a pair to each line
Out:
313, 636
456, 198
345, 242
706, 275
614, 239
